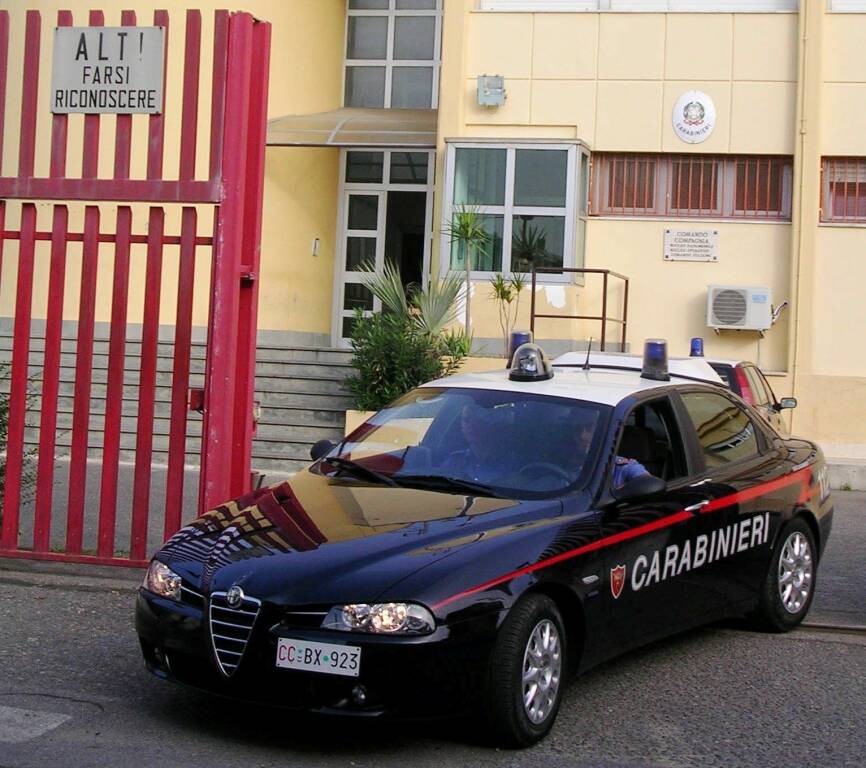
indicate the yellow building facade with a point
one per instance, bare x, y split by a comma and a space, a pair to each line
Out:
377, 136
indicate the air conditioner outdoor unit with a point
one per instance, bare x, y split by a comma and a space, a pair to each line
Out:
740, 307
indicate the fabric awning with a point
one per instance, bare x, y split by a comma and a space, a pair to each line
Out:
355, 127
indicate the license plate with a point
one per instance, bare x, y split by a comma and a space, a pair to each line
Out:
319, 657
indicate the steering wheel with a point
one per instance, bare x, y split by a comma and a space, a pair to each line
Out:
546, 467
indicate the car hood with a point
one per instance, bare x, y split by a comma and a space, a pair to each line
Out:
320, 540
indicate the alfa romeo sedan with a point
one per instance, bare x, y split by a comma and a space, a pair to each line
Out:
484, 537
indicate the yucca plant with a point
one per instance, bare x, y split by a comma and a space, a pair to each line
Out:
387, 286
407, 344
466, 228
431, 309
506, 293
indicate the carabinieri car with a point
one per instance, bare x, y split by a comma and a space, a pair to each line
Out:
485, 535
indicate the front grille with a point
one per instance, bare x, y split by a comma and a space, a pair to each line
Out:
191, 597
230, 629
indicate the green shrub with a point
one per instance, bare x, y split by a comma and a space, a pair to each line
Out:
28, 474
393, 355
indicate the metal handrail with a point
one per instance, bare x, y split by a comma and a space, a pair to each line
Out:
603, 318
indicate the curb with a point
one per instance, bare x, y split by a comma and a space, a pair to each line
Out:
70, 576
849, 474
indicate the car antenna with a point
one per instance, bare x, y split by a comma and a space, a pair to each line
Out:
588, 350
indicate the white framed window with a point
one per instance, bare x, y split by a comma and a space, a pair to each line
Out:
526, 194
706, 6
392, 54
385, 214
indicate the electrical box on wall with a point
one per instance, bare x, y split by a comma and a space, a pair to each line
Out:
739, 307
491, 90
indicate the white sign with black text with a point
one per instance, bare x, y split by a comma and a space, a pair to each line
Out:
108, 70
691, 245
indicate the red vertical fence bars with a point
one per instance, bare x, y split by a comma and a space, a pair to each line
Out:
108, 236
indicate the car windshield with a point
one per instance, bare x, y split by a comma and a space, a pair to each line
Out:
499, 443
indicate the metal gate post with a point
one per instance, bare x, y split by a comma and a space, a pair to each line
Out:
245, 363
220, 398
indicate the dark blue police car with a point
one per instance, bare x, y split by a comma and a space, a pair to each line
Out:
470, 546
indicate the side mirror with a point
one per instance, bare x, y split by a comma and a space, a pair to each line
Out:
643, 487
320, 448
787, 402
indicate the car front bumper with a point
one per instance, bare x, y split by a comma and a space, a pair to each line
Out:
410, 676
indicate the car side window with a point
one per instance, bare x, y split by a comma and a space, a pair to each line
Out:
771, 396
759, 389
725, 432
651, 437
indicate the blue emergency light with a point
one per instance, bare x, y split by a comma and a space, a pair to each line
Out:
697, 348
517, 339
655, 360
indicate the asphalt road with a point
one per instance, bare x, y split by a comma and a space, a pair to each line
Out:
73, 692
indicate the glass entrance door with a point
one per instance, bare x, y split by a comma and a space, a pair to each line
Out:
363, 247
386, 216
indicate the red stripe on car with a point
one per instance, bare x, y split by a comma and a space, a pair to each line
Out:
803, 476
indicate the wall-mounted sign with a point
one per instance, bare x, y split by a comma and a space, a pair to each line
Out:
694, 117
108, 70
691, 245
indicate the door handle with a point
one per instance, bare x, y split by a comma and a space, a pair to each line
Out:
701, 482
696, 507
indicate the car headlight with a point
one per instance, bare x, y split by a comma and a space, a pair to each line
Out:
381, 618
162, 581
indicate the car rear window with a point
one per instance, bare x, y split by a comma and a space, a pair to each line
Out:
725, 431
724, 372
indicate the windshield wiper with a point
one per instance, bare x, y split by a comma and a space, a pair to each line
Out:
359, 470
441, 482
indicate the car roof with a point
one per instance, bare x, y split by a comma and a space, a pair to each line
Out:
685, 367
604, 386
732, 363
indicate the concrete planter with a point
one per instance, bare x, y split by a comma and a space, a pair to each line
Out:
355, 419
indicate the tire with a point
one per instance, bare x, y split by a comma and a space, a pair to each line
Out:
789, 585
532, 622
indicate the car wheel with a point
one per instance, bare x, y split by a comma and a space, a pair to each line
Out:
525, 675
790, 583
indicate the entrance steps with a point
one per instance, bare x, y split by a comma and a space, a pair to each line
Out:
299, 389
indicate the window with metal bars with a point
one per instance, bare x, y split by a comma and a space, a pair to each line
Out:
843, 181
697, 186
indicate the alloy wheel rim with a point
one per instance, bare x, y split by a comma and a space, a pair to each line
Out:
542, 668
795, 572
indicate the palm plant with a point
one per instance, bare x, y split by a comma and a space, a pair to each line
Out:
387, 286
466, 228
406, 344
506, 294
431, 310
528, 246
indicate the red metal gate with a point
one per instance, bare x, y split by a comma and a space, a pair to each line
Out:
233, 189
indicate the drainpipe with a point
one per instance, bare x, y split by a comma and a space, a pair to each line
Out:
800, 147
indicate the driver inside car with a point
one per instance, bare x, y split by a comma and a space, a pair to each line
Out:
484, 459
624, 468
